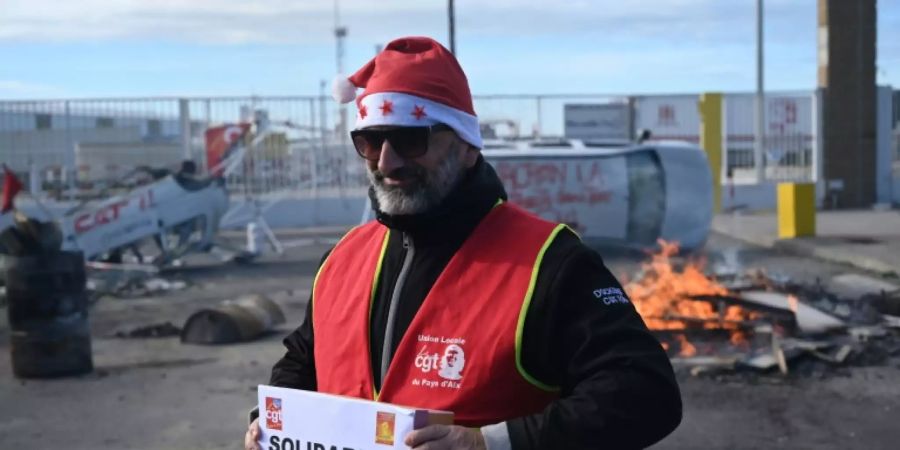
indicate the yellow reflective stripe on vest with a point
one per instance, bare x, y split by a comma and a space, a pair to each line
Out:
524, 312
387, 236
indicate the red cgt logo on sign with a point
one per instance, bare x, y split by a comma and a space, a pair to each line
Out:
273, 413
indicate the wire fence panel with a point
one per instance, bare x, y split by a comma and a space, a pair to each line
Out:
300, 145
895, 135
669, 117
293, 144
788, 144
85, 147
86, 144
533, 116
33, 136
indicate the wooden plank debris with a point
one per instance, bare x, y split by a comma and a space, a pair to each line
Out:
809, 319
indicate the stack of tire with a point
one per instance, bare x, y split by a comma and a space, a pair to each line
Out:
48, 315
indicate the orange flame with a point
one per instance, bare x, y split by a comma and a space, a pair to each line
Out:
687, 349
662, 296
739, 339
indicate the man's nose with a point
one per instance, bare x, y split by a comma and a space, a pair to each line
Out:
389, 160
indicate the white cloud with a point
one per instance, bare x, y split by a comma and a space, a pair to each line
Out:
616, 41
203, 21
311, 21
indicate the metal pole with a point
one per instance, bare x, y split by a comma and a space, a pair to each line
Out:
324, 151
311, 160
340, 33
72, 158
818, 129
452, 24
207, 107
184, 113
759, 131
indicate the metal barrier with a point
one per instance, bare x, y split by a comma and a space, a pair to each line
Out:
303, 150
790, 138
78, 148
791, 134
532, 116
895, 135
669, 117
61, 145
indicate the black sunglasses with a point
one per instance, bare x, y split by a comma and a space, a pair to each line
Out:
407, 142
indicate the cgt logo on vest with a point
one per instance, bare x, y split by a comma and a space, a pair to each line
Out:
273, 413
448, 363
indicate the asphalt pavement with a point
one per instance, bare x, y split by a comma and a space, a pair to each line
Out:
157, 393
866, 239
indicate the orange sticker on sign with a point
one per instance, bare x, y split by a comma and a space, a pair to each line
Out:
384, 428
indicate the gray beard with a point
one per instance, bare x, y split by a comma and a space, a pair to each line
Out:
427, 192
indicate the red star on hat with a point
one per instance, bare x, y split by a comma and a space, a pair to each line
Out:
387, 107
363, 111
419, 112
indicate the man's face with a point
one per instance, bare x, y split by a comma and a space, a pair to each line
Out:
414, 185
451, 356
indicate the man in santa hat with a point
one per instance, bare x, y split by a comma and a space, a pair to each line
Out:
454, 299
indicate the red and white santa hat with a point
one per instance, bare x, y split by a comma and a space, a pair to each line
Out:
415, 81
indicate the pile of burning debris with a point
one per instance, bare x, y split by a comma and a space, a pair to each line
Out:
760, 323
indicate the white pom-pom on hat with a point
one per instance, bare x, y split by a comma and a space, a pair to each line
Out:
342, 90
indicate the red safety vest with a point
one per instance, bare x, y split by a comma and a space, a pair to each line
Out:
462, 351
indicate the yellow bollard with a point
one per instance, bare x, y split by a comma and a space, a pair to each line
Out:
710, 107
796, 210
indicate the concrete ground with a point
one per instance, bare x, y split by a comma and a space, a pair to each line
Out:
156, 393
868, 239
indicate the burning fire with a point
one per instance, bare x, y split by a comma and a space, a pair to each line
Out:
687, 349
662, 296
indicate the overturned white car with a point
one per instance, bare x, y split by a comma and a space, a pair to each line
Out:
612, 193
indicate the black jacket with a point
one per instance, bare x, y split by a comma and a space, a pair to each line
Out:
618, 389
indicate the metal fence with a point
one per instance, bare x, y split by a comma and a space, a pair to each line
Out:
895, 134
789, 141
81, 147
49, 142
531, 116
790, 126
790, 132
305, 150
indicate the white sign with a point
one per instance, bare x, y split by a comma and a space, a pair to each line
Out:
668, 117
597, 121
291, 419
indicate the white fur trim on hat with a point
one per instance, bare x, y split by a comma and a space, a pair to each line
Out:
405, 110
342, 90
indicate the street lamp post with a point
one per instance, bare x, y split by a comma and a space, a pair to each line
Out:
759, 130
451, 17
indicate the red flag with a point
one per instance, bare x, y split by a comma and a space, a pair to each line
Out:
11, 187
221, 141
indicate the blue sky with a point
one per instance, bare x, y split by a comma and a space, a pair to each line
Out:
129, 48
